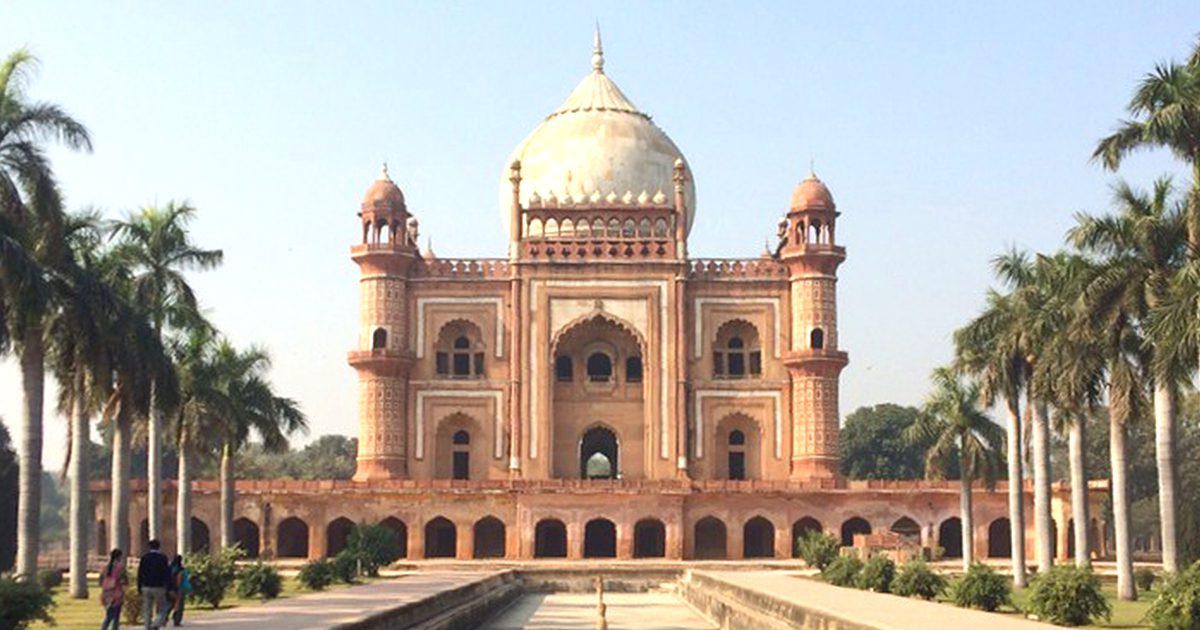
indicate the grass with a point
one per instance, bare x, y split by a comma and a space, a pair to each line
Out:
1124, 614
86, 614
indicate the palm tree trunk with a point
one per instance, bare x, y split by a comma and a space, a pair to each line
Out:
78, 494
1164, 452
1016, 492
1042, 520
1079, 490
154, 501
118, 518
226, 496
29, 492
183, 502
968, 522
1120, 494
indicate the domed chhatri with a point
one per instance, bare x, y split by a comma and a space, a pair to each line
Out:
597, 141
811, 194
384, 192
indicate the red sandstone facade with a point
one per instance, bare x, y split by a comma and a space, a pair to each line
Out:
597, 392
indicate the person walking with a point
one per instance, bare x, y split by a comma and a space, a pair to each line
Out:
154, 575
112, 590
181, 585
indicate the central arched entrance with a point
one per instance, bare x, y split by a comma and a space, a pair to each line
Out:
599, 454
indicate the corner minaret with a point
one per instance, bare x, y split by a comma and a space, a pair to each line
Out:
814, 361
383, 357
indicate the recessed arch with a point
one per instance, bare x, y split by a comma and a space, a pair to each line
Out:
649, 539
459, 350
600, 539
399, 531
337, 535
738, 448
853, 526
246, 536
800, 529
550, 539
737, 350
379, 339
908, 529
599, 453
201, 540
460, 447
709, 539
758, 538
999, 538
950, 537
816, 339
489, 538
441, 538
292, 538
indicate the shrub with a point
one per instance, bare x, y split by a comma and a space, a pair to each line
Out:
982, 588
50, 579
345, 567
373, 546
1068, 595
317, 574
1145, 578
877, 574
916, 579
212, 575
843, 571
1177, 606
131, 606
22, 603
259, 580
818, 549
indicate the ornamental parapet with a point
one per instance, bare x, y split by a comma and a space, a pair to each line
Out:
565, 250
473, 268
736, 269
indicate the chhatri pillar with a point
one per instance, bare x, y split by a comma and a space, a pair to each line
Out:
383, 358
814, 362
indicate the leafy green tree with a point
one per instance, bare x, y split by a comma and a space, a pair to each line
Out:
818, 548
953, 424
1165, 113
31, 219
373, 546
873, 446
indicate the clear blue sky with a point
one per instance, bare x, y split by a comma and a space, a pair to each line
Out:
946, 131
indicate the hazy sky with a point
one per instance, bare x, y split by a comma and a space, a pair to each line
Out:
946, 131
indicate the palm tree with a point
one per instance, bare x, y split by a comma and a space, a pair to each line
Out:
1142, 247
200, 414
155, 243
1166, 114
32, 217
953, 424
253, 407
992, 348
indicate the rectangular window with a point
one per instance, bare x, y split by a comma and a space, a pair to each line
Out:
462, 364
442, 363
633, 370
478, 364
718, 364
564, 370
756, 362
737, 466
462, 465
737, 364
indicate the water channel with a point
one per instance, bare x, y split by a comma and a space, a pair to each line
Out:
656, 610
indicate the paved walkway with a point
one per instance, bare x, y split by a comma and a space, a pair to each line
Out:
330, 608
873, 609
626, 611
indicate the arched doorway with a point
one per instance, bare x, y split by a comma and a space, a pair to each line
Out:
337, 534
400, 531
737, 447
800, 529
600, 539
950, 537
200, 536
102, 538
908, 530
460, 447
292, 538
852, 527
550, 539
489, 538
710, 539
144, 536
1000, 539
245, 535
649, 539
758, 538
598, 454
441, 538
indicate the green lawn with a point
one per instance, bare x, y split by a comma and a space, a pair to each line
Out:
86, 614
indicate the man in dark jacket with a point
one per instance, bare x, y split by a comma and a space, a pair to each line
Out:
154, 574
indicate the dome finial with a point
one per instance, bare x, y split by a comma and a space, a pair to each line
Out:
812, 174
597, 51
383, 172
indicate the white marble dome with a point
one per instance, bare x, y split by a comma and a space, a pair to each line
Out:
597, 141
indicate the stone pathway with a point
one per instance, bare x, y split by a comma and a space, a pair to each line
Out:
873, 609
328, 609
626, 611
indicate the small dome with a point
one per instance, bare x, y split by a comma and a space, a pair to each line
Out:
384, 191
811, 194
